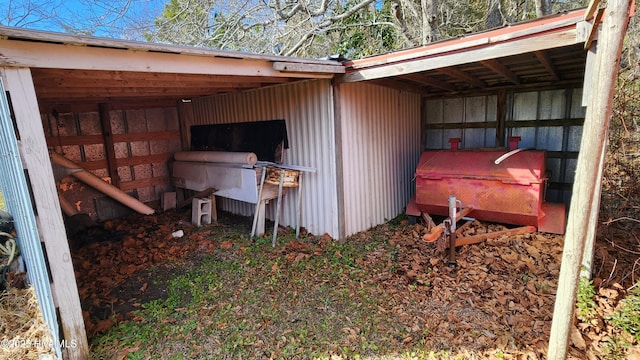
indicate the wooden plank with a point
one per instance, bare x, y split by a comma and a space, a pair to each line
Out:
430, 81
146, 136
554, 39
117, 138
142, 183
51, 225
136, 160
501, 118
300, 67
543, 57
595, 26
501, 69
67, 77
185, 116
74, 140
107, 133
82, 41
461, 75
187, 201
49, 55
510, 33
593, 141
591, 9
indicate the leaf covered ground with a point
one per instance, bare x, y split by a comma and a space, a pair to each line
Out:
382, 293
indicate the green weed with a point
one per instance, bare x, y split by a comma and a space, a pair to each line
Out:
586, 306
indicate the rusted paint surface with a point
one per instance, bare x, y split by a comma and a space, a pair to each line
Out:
511, 192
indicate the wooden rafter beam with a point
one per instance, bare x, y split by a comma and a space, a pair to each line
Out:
595, 25
461, 75
41, 74
499, 68
560, 38
430, 81
543, 57
400, 85
51, 55
97, 93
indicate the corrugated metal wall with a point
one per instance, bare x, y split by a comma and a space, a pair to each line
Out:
380, 136
307, 108
551, 120
547, 120
15, 189
472, 119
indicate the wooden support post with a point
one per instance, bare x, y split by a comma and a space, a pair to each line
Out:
107, 135
501, 118
50, 223
591, 147
586, 269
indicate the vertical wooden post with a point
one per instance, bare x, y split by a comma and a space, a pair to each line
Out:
586, 269
591, 147
107, 135
52, 231
501, 118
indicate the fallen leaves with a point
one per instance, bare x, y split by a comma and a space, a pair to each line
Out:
104, 265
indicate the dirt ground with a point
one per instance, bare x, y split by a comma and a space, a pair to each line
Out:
499, 296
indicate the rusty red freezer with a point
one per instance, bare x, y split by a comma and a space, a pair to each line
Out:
510, 192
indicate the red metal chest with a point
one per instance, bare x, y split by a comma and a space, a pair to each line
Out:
511, 191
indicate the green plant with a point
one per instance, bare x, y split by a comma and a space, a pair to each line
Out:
627, 317
585, 303
615, 348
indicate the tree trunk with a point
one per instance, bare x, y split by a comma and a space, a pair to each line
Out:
543, 7
429, 21
494, 15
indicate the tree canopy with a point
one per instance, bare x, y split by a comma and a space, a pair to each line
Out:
311, 28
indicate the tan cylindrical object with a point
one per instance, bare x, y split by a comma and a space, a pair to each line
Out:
66, 206
100, 185
248, 158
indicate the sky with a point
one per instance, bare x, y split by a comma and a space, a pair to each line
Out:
53, 15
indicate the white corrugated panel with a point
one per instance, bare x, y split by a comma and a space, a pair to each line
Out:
475, 109
380, 135
307, 108
13, 184
544, 106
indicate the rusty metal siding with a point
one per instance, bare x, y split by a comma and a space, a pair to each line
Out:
380, 136
307, 108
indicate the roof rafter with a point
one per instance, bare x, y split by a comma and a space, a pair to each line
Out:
501, 69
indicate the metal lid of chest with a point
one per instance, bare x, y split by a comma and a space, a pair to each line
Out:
524, 168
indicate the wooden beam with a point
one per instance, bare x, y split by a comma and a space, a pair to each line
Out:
107, 134
50, 55
498, 67
142, 183
430, 81
138, 46
45, 195
554, 39
314, 68
501, 118
117, 138
506, 34
595, 26
594, 136
185, 116
461, 75
54, 75
548, 64
593, 6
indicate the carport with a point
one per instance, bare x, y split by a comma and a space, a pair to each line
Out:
363, 124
